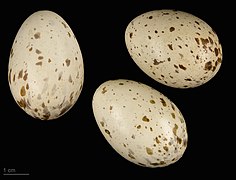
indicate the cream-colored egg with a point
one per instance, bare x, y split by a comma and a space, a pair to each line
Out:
174, 48
46, 70
140, 123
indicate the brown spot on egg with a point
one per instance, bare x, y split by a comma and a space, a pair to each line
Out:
172, 29
179, 140
110, 108
157, 140
31, 48
165, 148
182, 67
70, 79
64, 24
11, 52
37, 35
46, 114
71, 96
27, 86
9, 76
131, 35
188, 79
185, 142
163, 102
155, 62
102, 123
49, 60
175, 129
65, 109
39, 63
208, 66
40, 57
67, 62
204, 41
131, 154
170, 46
20, 75
173, 115
60, 76
139, 126
104, 90
145, 119
108, 132
121, 83
152, 101
149, 151
219, 60
25, 76
38, 51
197, 40
211, 41
22, 91
22, 103
216, 51
69, 34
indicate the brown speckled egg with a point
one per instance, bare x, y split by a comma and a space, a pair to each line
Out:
46, 70
140, 123
174, 48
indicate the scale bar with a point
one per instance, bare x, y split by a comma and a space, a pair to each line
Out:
25, 174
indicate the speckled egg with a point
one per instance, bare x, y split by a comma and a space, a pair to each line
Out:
46, 70
140, 123
174, 48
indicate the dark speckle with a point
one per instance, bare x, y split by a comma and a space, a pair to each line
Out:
145, 119
131, 35
38, 51
11, 52
150, 17
20, 75
64, 24
9, 77
155, 62
65, 109
175, 129
67, 62
121, 83
208, 66
104, 90
172, 29
37, 35
22, 91
22, 103
108, 132
70, 79
182, 67
152, 101
25, 76
163, 102
149, 151
39, 63
40, 57
60, 75
216, 51
170, 46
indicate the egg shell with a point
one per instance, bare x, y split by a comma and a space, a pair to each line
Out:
140, 123
46, 70
174, 48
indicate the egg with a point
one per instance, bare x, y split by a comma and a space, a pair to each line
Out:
173, 47
140, 123
45, 71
